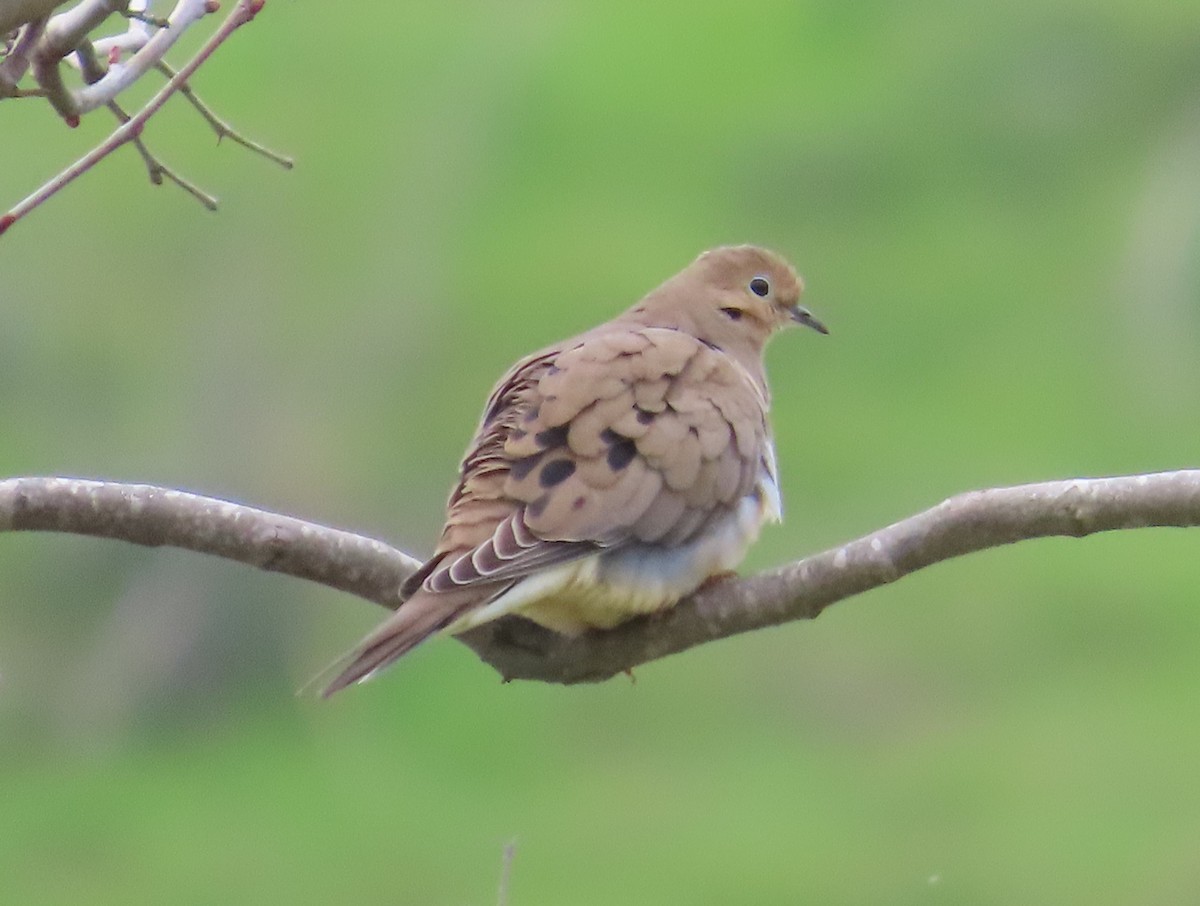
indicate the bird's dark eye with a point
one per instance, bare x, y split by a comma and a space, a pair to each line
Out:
733, 314
759, 286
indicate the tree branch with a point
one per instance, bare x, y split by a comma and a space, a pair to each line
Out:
157, 517
70, 105
518, 649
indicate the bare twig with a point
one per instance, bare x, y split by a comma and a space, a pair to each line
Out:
157, 170
518, 649
67, 30
16, 61
140, 15
93, 68
137, 33
92, 95
222, 128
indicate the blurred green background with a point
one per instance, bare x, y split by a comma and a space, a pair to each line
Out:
997, 210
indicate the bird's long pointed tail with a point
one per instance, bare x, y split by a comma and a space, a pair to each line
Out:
417, 619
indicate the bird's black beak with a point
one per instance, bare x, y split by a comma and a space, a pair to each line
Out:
802, 315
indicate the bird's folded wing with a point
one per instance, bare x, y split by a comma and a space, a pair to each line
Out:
627, 435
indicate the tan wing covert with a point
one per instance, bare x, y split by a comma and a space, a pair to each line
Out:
632, 434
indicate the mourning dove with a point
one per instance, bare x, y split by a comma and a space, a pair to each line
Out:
612, 473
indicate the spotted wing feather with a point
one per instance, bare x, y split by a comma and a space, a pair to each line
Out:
632, 435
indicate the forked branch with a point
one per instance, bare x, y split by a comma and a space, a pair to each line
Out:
517, 649
46, 44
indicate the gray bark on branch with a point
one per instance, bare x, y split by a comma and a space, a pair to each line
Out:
518, 649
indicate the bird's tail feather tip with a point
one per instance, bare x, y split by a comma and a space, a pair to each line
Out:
365, 664
339, 666
416, 621
341, 682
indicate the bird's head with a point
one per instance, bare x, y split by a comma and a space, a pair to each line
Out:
733, 297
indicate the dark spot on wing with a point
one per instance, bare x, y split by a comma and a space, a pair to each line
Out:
556, 472
520, 469
609, 436
551, 437
621, 454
